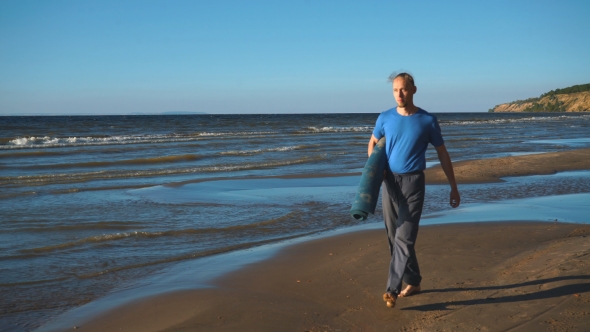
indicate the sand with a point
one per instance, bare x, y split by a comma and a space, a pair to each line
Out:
491, 170
502, 276
478, 276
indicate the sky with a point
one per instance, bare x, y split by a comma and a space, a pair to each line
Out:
297, 56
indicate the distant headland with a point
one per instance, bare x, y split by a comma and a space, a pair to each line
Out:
573, 99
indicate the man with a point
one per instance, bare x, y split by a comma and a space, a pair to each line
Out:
408, 130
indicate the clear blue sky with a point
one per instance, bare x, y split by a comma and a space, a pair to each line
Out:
121, 57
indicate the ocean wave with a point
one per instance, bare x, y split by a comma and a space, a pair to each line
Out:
33, 154
47, 179
9, 195
82, 150
258, 151
114, 225
363, 129
242, 133
138, 161
472, 139
92, 239
48, 141
216, 251
517, 120
170, 159
144, 234
33, 282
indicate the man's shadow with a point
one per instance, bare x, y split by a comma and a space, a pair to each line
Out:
571, 289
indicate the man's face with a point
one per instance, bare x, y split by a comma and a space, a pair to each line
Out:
403, 92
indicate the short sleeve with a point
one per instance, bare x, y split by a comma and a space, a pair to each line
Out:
436, 138
378, 130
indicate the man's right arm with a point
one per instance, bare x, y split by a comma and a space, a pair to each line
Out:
372, 142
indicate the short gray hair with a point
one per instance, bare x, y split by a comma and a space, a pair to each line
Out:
407, 77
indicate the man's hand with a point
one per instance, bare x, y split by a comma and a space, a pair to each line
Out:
455, 198
447, 166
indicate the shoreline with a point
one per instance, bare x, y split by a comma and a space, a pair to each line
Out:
335, 283
482, 167
202, 275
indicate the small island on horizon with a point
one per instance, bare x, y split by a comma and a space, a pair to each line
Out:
572, 99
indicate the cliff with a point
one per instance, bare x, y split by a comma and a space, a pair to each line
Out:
572, 99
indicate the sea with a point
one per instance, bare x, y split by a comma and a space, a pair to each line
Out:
91, 204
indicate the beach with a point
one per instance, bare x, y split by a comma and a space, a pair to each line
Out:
106, 217
487, 276
207, 166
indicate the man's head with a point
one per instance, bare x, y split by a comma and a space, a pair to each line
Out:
403, 89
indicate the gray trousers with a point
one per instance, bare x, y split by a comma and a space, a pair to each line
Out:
403, 199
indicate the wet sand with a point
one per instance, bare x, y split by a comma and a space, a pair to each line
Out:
491, 170
479, 276
517, 276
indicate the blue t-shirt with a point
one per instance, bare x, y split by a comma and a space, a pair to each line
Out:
407, 138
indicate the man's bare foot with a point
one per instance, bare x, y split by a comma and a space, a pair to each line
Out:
410, 290
389, 300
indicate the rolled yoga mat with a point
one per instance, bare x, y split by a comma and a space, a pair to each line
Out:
368, 192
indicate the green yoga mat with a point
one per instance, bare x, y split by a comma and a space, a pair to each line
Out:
368, 192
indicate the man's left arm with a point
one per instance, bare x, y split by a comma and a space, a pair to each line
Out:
447, 166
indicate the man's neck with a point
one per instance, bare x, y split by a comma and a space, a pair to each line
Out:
408, 110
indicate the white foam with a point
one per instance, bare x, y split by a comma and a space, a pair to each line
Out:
564, 141
242, 133
339, 129
525, 119
278, 149
47, 141
95, 239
